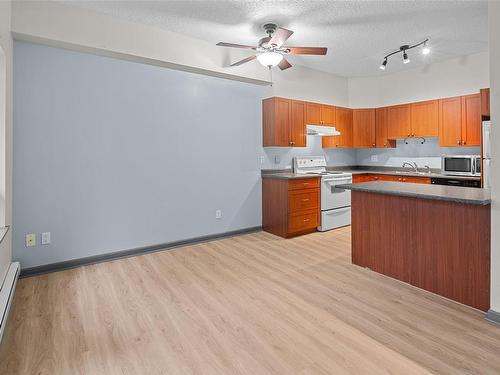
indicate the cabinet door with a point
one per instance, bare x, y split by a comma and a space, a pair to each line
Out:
327, 115
313, 114
363, 127
399, 121
297, 123
471, 120
381, 121
485, 103
276, 122
344, 126
425, 119
450, 121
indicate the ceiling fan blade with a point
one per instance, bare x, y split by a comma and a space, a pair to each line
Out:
284, 64
280, 36
224, 44
241, 62
307, 50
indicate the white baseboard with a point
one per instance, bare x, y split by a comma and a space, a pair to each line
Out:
7, 294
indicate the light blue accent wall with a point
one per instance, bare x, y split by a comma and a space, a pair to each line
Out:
112, 155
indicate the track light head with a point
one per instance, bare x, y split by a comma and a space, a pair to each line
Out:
426, 50
406, 59
383, 65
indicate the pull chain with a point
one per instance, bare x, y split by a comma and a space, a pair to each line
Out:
271, 75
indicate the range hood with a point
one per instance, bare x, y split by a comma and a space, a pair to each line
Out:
321, 130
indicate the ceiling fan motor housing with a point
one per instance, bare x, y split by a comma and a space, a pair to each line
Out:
270, 28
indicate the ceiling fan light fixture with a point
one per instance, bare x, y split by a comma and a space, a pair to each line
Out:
270, 58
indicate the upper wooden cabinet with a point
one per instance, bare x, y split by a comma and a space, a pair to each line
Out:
425, 119
313, 113
327, 115
343, 123
471, 120
485, 103
399, 121
320, 114
450, 121
363, 128
283, 122
381, 121
460, 121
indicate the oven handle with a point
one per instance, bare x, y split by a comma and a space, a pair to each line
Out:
333, 181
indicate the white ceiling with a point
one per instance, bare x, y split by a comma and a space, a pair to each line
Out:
357, 33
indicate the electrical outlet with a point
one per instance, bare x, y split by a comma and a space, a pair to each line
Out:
262, 160
45, 238
218, 214
31, 239
374, 158
277, 159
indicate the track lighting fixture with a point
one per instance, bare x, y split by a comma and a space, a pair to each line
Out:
404, 50
383, 65
406, 60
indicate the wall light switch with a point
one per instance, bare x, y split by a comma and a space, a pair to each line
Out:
45, 238
31, 239
218, 214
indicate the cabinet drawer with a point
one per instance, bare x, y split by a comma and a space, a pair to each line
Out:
303, 221
303, 183
300, 200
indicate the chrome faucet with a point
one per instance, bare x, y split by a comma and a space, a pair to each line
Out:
414, 165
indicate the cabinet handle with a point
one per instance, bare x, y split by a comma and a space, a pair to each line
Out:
412, 134
400, 179
404, 179
305, 183
458, 142
305, 199
463, 142
306, 220
373, 144
385, 144
409, 135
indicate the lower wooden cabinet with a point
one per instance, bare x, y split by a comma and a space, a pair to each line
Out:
357, 178
290, 207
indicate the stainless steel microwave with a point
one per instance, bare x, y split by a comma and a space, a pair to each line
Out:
461, 165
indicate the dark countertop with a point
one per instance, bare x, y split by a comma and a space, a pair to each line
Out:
436, 192
394, 171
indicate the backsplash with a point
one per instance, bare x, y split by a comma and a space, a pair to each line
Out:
334, 157
428, 153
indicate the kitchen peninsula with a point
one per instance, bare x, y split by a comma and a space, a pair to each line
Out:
434, 237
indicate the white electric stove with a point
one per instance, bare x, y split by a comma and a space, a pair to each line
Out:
335, 202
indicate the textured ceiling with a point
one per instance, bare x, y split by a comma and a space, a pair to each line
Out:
357, 33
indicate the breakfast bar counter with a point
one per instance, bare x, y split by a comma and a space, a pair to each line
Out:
434, 237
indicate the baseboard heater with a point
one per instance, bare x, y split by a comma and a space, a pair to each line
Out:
7, 294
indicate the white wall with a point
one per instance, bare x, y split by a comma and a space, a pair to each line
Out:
5, 133
62, 25
465, 75
494, 31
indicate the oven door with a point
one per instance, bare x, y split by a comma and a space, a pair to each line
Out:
457, 165
332, 196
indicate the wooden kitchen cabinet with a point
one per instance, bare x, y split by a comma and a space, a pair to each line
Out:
343, 123
283, 122
363, 128
460, 121
485, 103
327, 115
450, 121
320, 114
425, 119
471, 120
394, 178
290, 207
381, 136
399, 121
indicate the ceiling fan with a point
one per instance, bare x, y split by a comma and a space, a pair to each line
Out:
270, 50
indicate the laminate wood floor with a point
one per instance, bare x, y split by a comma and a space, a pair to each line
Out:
252, 304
